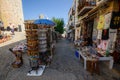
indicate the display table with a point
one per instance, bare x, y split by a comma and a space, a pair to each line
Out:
109, 58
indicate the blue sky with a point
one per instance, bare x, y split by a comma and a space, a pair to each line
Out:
50, 8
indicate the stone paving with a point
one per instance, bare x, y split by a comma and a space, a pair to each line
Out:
64, 66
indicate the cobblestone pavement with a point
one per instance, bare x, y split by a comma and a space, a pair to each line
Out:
65, 66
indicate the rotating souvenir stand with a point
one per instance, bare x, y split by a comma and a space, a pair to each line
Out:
33, 49
44, 43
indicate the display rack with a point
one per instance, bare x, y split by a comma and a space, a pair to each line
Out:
32, 45
39, 41
42, 39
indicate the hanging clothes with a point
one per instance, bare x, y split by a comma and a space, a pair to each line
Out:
112, 39
101, 22
107, 20
104, 44
99, 36
112, 34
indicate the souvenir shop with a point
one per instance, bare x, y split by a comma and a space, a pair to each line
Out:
102, 28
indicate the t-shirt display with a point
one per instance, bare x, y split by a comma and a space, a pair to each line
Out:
99, 35
101, 22
107, 20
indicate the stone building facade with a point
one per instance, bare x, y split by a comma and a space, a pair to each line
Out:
11, 12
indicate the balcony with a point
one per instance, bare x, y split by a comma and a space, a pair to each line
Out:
85, 6
71, 26
73, 12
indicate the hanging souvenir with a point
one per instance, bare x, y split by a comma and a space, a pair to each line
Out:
105, 34
101, 22
99, 34
115, 21
107, 20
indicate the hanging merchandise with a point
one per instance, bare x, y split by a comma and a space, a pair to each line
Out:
112, 39
115, 21
32, 45
99, 36
42, 39
105, 34
112, 34
101, 22
107, 20
104, 44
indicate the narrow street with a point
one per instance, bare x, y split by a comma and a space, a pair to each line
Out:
52, 40
64, 66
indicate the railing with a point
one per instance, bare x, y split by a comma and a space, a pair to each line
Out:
83, 3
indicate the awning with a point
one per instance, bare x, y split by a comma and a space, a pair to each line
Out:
44, 22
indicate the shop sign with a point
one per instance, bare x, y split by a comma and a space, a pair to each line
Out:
115, 21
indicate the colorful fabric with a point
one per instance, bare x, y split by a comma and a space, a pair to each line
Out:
104, 44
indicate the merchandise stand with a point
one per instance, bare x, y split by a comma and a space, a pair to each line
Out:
39, 43
32, 46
